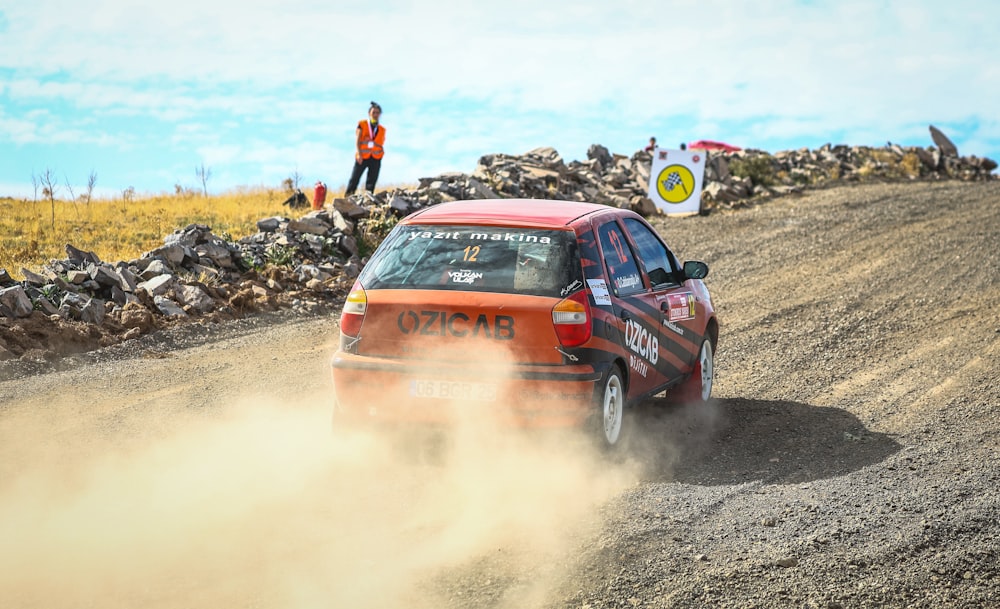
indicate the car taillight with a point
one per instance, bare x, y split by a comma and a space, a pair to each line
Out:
571, 319
354, 311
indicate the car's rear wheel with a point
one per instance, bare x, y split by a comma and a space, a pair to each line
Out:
610, 417
698, 388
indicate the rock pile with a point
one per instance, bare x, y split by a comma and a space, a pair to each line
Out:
734, 178
606, 178
731, 178
308, 262
301, 263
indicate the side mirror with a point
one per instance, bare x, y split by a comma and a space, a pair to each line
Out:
695, 269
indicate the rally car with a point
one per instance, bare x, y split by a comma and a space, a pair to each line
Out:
536, 313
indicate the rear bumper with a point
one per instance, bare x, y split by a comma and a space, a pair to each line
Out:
389, 391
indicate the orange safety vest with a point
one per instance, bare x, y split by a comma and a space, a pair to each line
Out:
370, 144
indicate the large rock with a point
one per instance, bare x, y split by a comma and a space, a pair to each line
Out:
136, 316
168, 307
269, 225
194, 297
155, 268
81, 257
190, 236
216, 251
944, 144
35, 279
600, 154
104, 275
643, 206
126, 278
313, 226
342, 224
93, 311
16, 301
349, 209
172, 253
158, 285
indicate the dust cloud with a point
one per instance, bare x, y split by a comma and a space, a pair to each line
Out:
260, 504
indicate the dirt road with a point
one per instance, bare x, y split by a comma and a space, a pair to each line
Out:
850, 458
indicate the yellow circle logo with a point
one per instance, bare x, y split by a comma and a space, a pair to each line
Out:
675, 184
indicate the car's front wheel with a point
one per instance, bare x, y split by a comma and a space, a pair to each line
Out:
698, 387
610, 399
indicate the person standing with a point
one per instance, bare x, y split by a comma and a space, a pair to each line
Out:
368, 156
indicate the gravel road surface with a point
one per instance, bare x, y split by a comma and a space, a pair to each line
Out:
849, 458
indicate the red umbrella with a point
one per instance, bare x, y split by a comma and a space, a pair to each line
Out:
713, 145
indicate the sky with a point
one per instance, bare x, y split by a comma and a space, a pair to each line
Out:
142, 94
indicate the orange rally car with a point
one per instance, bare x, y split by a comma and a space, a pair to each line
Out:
538, 313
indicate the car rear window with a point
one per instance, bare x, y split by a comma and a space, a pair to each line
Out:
476, 259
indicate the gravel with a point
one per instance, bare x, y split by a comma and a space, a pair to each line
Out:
848, 458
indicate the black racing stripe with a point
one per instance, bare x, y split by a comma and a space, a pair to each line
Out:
643, 312
602, 357
647, 312
676, 348
667, 369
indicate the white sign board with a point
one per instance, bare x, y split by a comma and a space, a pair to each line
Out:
675, 180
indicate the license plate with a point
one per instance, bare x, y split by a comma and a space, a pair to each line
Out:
454, 390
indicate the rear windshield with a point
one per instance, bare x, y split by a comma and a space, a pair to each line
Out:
476, 259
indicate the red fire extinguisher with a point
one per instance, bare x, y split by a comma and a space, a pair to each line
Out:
319, 195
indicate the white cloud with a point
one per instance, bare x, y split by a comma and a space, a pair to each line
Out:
269, 82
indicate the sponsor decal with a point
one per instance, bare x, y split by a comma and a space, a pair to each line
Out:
674, 327
512, 237
464, 276
599, 290
628, 281
640, 367
576, 285
440, 323
434, 235
680, 306
642, 342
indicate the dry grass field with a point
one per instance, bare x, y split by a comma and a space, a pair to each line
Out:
122, 228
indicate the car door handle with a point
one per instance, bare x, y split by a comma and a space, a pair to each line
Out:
624, 315
664, 306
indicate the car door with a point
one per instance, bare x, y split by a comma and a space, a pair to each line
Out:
636, 309
677, 306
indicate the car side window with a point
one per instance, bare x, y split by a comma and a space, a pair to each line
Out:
655, 256
622, 268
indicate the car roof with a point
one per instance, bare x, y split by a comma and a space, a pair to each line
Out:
525, 212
